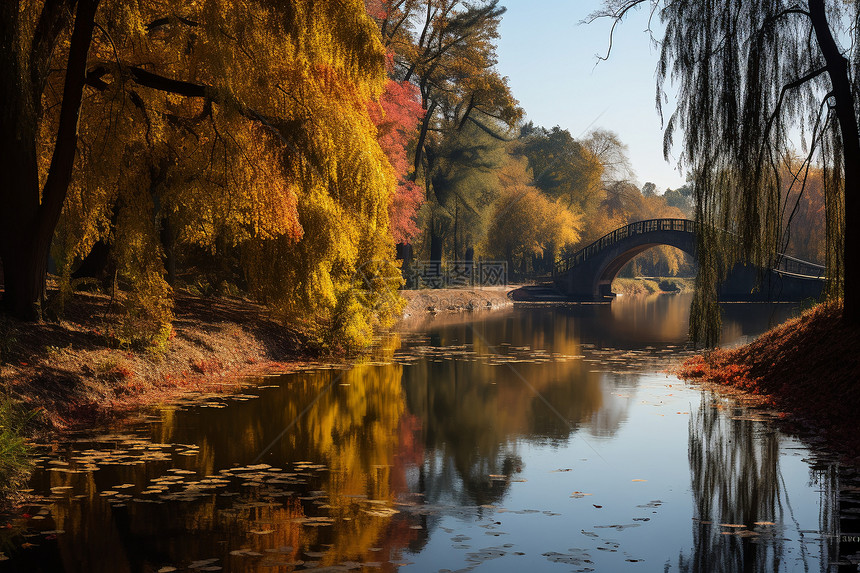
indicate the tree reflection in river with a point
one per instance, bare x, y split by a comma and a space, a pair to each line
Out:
352, 425
378, 464
738, 495
473, 412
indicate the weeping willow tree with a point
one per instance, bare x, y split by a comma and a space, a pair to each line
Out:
756, 81
242, 123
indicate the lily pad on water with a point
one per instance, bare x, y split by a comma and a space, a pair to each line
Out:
486, 554
575, 557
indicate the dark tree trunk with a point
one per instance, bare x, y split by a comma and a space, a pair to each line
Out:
24, 274
404, 253
26, 224
168, 245
435, 271
24, 278
435, 247
469, 255
837, 68
422, 137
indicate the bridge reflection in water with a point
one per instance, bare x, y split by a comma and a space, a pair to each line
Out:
588, 273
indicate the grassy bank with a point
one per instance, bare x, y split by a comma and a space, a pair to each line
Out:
652, 285
68, 375
71, 373
808, 367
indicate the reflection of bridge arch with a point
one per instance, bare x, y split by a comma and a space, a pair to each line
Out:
588, 273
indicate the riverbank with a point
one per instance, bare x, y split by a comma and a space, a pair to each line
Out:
807, 367
68, 372
422, 302
653, 285
59, 377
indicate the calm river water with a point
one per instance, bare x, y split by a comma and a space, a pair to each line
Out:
539, 439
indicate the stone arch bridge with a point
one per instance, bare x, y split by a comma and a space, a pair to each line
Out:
588, 273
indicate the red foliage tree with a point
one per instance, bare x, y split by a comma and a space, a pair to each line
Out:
396, 117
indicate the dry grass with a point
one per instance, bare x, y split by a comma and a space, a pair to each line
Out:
68, 372
808, 366
420, 302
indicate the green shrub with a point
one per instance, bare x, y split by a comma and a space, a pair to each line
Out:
14, 462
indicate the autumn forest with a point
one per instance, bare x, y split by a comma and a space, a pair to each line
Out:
226, 344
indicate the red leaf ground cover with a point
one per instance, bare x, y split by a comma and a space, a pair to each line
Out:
808, 367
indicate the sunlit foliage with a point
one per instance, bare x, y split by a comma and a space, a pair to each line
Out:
464, 185
238, 125
446, 48
562, 167
525, 222
397, 117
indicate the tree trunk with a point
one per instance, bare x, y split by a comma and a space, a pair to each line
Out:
419, 147
24, 274
435, 247
456, 256
24, 264
167, 237
837, 68
26, 223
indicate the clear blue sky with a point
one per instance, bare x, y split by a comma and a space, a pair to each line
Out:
551, 64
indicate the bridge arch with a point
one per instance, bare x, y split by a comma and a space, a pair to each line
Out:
588, 273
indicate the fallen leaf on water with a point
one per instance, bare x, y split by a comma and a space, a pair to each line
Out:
732, 525
764, 523
639, 480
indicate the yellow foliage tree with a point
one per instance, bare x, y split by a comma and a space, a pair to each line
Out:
525, 222
238, 123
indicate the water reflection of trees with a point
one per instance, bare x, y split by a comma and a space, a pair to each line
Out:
475, 411
356, 426
736, 480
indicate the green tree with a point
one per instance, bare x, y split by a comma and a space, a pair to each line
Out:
748, 74
447, 49
525, 222
682, 198
463, 185
562, 167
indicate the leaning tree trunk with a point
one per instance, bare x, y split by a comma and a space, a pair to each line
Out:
837, 69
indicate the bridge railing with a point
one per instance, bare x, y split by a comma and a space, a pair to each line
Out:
795, 266
609, 239
785, 263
